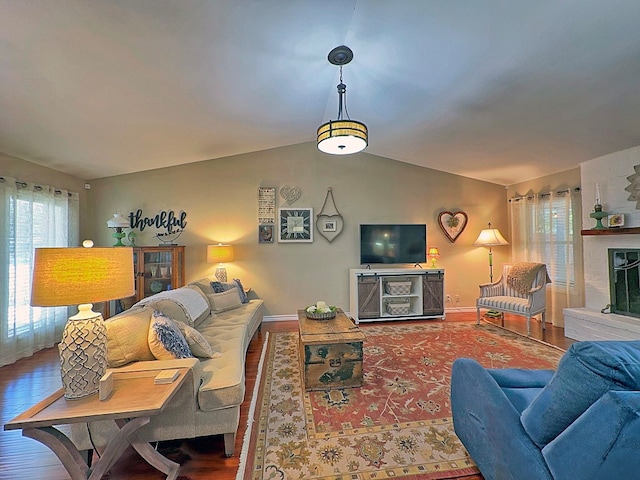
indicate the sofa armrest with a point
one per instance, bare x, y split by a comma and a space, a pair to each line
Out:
602, 443
489, 426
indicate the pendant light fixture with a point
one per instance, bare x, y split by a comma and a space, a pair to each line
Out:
343, 135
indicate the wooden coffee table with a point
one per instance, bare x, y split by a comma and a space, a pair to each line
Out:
330, 352
134, 400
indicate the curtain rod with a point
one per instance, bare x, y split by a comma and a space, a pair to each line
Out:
37, 188
545, 194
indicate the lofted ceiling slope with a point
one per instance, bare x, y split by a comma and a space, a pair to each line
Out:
493, 90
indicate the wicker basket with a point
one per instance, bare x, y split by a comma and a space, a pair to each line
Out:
321, 316
398, 288
398, 308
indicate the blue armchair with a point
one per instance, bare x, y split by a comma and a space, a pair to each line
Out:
581, 422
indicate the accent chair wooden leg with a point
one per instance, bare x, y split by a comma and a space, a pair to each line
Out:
229, 444
544, 326
528, 325
477, 315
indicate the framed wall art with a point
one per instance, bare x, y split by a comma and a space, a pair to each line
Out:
452, 224
294, 225
265, 233
329, 226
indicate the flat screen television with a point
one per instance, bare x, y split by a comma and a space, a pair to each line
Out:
393, 243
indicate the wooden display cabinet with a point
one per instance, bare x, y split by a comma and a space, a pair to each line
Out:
156, 270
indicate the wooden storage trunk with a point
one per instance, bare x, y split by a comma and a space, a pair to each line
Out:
330, 352
336, 365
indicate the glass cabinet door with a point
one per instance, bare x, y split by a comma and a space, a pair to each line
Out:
158, 271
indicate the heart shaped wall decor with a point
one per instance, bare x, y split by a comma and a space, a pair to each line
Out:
452, 224
290, 194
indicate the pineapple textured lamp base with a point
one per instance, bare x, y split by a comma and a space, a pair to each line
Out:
83, 356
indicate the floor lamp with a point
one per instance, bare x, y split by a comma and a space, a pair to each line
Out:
72, 276
490, 237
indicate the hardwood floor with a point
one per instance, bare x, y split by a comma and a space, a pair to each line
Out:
31, 379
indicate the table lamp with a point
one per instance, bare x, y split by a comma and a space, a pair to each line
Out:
490, 237
72, 276
433, 253
220, 254
118, 222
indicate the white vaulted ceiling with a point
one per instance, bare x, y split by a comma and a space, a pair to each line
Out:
502, 91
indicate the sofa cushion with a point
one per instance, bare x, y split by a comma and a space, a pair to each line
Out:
228, 333
127, 337
219, 287
166, 342
227, 300
586, 372
196, 341
241, 291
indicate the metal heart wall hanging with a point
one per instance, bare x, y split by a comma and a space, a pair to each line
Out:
290, 194
329, 221
452, 224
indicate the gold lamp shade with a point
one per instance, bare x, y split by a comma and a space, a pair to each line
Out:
71, 276
219, 253
342, 137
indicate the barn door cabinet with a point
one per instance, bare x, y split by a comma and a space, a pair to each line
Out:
396, 294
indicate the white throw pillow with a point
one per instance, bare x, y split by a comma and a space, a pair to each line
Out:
221, 302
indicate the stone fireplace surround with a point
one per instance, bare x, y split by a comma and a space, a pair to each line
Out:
610, 172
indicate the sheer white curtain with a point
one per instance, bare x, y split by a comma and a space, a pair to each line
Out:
32, 216
546, 228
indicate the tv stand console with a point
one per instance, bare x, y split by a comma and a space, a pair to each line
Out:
396, 294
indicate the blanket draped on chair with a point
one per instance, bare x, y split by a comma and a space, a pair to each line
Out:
522, 275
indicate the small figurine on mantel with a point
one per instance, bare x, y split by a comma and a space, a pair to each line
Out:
598, 214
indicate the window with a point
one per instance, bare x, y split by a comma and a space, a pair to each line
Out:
545, 228
33, 216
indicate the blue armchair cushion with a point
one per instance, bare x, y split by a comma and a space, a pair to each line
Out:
586, 372
602, 443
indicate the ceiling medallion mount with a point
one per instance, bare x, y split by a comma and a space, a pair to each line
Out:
343, 135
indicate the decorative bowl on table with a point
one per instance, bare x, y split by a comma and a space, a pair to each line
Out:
326, 313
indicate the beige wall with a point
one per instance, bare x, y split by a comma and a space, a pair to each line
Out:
30, 172
220, 198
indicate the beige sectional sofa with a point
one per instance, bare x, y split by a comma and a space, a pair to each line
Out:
209, 401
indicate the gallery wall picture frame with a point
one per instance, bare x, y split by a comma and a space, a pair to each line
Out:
616, 220
329, 221
265, 233
329, 226
295, 225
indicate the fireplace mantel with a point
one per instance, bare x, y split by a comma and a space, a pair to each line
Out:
612, 231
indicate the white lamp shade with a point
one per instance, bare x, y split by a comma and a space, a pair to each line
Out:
490, 237
71, 276
118, 221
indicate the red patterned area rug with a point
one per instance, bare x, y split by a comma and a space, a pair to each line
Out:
398, 424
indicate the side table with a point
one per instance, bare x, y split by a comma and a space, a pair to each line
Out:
134, 400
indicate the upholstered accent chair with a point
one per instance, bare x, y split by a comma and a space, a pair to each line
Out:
507, 295
580, 422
